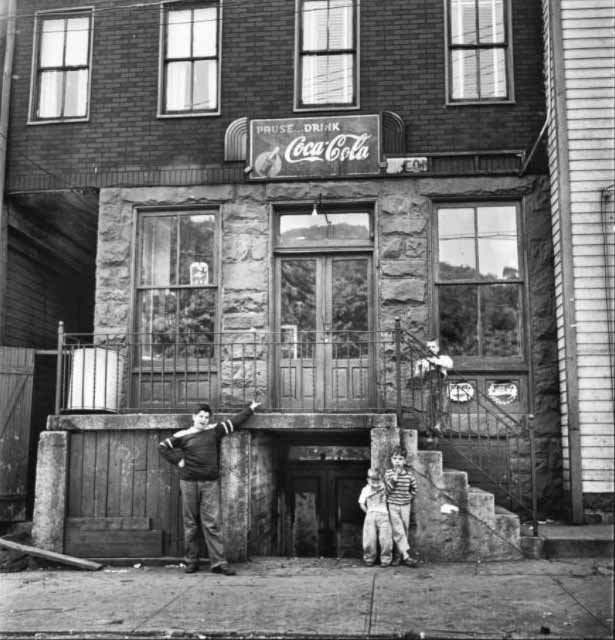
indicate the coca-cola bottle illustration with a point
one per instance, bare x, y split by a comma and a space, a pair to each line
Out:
269, 163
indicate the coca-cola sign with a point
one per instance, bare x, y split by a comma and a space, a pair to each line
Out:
314, 147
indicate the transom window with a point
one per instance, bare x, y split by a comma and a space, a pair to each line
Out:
478, 50
479, 283
327, 54
176, 292
62, 59
190, 60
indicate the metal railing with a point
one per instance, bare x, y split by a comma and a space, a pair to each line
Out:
308, 371
325, 371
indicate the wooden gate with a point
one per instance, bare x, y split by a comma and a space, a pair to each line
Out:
16, 372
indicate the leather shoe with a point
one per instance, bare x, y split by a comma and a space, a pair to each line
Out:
410, 562
191, 567
224, 569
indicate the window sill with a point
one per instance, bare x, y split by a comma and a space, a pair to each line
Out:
58, 121
479, 103
326, 107
200, 114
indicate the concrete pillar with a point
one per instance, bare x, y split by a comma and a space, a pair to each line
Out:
50, 494
383, 441
235, 494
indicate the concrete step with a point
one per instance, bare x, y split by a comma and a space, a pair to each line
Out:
574, 541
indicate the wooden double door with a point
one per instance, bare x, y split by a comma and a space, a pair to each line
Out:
325, 350
323, 502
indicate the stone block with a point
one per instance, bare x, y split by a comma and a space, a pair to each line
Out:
245, 275
403, 290
51, 491
404, 268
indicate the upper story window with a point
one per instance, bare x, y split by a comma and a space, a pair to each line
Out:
327, 54
62, 60
479, 51
479, 283
190, 59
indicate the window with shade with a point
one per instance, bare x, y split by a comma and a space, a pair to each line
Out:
61, 82
327, 54
479, 51
176, 292
190, 59
479, 282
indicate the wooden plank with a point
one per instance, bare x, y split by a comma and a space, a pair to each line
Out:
51, 555
139, 482
75, 474
597, 486
113, 544
101, 486
109, 524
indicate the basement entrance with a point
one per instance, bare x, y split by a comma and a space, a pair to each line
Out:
322, 487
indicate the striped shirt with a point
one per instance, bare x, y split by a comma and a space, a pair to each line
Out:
400, 489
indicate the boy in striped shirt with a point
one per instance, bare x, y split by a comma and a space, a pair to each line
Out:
400, 486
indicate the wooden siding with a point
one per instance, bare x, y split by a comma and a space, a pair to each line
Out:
589, 70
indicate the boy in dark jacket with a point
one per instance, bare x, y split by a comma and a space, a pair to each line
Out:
195, 452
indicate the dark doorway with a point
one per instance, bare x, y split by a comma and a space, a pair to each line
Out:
322, 502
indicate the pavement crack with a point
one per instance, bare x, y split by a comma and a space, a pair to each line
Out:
155, 613
368, 629
587, 609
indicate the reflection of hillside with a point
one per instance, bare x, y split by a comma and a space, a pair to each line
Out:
319, 231
465, 272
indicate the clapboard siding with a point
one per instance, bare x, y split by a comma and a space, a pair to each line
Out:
588, 55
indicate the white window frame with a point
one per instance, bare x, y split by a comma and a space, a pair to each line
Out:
39, 18
161, 112
298, 106
508, 56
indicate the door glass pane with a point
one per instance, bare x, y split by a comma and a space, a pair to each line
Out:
307, 230
349, 294
196, 249
457, 255
158, 253
298, 307
497, 242
500, 307
458, 309
156, 319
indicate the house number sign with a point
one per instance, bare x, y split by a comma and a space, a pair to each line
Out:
314, 147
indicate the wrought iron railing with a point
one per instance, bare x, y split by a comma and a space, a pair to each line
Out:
308, 371
325, 371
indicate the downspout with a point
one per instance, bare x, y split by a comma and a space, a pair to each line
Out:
568, 293
5, 103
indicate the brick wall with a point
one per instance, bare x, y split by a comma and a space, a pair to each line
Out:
402, 70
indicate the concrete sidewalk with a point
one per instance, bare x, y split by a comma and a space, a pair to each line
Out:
326, 598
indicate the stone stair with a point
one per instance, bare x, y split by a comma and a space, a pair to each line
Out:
454, 521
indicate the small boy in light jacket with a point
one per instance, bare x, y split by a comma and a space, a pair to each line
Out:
376, 527
400, 486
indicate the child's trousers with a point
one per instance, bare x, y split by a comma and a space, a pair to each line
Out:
400, 522
377, 528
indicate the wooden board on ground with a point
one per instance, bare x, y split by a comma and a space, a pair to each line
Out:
80, 563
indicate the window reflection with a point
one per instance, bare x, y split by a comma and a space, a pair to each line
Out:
458, 305
298, 311
304, 229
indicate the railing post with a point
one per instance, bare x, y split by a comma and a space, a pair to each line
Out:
59, 367
398, 369
530, 428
